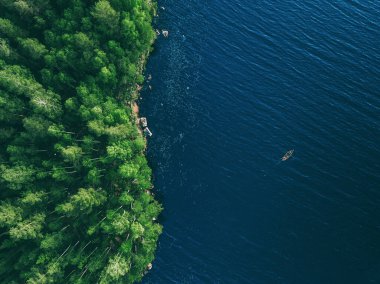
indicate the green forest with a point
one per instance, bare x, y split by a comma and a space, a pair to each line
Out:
76, 201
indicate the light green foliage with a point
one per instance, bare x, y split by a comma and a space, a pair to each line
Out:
22, 7
36, 126
8, 29
74, 181
116, 223
33, 48
117, 267
120, 151
129, 170
32, 198
72, 154
46, 103
52, 241
126, 198
5, 50
28, 229
137, 230
106, 17
83, 201
9, 215
18, 176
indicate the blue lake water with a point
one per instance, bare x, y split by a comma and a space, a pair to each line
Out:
236, 85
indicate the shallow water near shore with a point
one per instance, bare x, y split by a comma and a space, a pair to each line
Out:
235, 86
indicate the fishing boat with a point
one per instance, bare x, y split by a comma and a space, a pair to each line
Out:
287, 155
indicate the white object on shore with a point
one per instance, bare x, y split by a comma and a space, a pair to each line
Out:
165, 33
143, 122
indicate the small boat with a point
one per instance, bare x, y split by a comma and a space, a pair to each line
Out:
287, 155
147, 132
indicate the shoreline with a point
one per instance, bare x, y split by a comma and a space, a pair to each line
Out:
136, 113
136, 94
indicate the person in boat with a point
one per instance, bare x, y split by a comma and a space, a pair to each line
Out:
287, 155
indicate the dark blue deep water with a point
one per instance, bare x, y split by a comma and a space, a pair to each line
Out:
236, 85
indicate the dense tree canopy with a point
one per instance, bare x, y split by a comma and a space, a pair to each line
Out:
75, 200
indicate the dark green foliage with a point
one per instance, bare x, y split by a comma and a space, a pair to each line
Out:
75, 186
